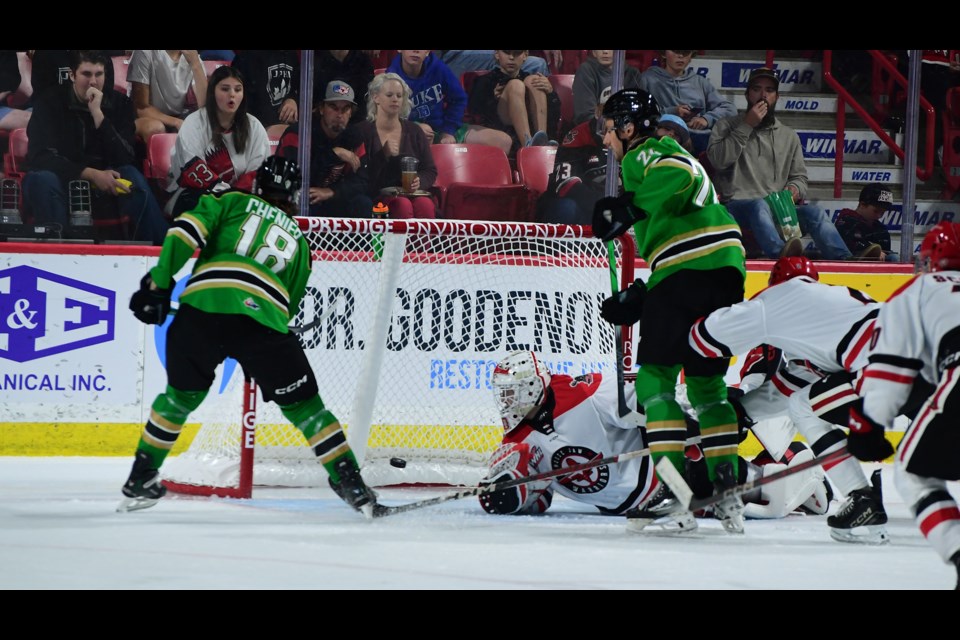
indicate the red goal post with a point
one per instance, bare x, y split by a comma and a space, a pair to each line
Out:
408, 318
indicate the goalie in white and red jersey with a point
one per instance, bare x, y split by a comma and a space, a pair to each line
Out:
917, 335
554, 420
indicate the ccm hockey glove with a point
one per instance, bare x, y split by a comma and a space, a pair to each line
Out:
865, 441
625, 308
150, 306
613, 216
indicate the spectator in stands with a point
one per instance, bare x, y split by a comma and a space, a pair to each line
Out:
10, 78
83, 131
754, 155
161, 79
861, 229
272, 86
688, 95
674, 126
579, 174
354, 67
338, 162
439, 101
218, 147
387, 136
461, 61
226, 55
593, 79
51, 67
517, 102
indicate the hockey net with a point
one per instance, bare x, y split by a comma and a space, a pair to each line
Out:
411, 317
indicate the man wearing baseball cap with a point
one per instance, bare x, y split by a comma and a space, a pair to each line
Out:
755, 155
861, 228
338, 163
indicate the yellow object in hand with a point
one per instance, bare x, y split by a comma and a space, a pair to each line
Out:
126, 184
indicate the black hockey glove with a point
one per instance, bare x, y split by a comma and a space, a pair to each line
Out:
865, 441
501, 502
150, 306
625, 308
613, 216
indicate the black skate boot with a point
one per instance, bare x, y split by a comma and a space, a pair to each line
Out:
955, 559
352, 489
143, 488
661, 513
730, 510
861, 517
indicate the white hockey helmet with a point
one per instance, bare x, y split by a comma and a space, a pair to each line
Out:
519, 384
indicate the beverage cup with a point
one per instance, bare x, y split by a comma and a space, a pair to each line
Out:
408, 173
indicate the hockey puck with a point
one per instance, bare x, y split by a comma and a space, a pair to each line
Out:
399, 463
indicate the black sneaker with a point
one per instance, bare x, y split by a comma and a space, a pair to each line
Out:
861, 517
143, 488
352, 489
730, 510
662, 510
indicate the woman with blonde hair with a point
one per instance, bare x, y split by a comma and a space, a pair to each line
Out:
387, 136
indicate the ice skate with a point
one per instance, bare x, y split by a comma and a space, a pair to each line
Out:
661, 513
728, 511
861, 517
352, 489
143, 488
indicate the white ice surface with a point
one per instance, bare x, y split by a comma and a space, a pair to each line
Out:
59, 530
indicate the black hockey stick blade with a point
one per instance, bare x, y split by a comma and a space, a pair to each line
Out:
380, 510
669, 474
316, 322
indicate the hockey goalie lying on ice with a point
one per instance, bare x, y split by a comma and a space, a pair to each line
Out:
553, 420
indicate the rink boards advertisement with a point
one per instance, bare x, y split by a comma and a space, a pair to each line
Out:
78, 372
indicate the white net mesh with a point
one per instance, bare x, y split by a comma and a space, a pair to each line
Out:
452, 299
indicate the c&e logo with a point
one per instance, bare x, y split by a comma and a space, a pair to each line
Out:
43, 313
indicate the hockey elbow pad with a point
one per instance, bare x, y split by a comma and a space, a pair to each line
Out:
625, 308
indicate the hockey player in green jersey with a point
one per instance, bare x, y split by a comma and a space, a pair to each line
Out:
696, 258
246, 285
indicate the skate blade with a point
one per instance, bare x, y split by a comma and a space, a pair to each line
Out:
733, 525
136, 504
367, 510
869, 534
671, 524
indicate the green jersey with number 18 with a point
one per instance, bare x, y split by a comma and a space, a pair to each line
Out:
686, 227
253, 259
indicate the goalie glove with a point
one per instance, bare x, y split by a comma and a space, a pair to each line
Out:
866, 441
150, 306
509, 462
612, 216
625, 308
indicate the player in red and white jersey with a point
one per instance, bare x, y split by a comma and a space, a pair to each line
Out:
917, 335
827, 328
554, 420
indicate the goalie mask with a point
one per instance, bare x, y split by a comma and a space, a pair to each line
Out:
940, 248
519, 384
790, 267
278, 178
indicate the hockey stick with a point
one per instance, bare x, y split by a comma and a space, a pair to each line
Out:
383, 510
316, 322
669, 474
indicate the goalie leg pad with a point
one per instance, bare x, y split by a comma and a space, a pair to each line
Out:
784, 496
